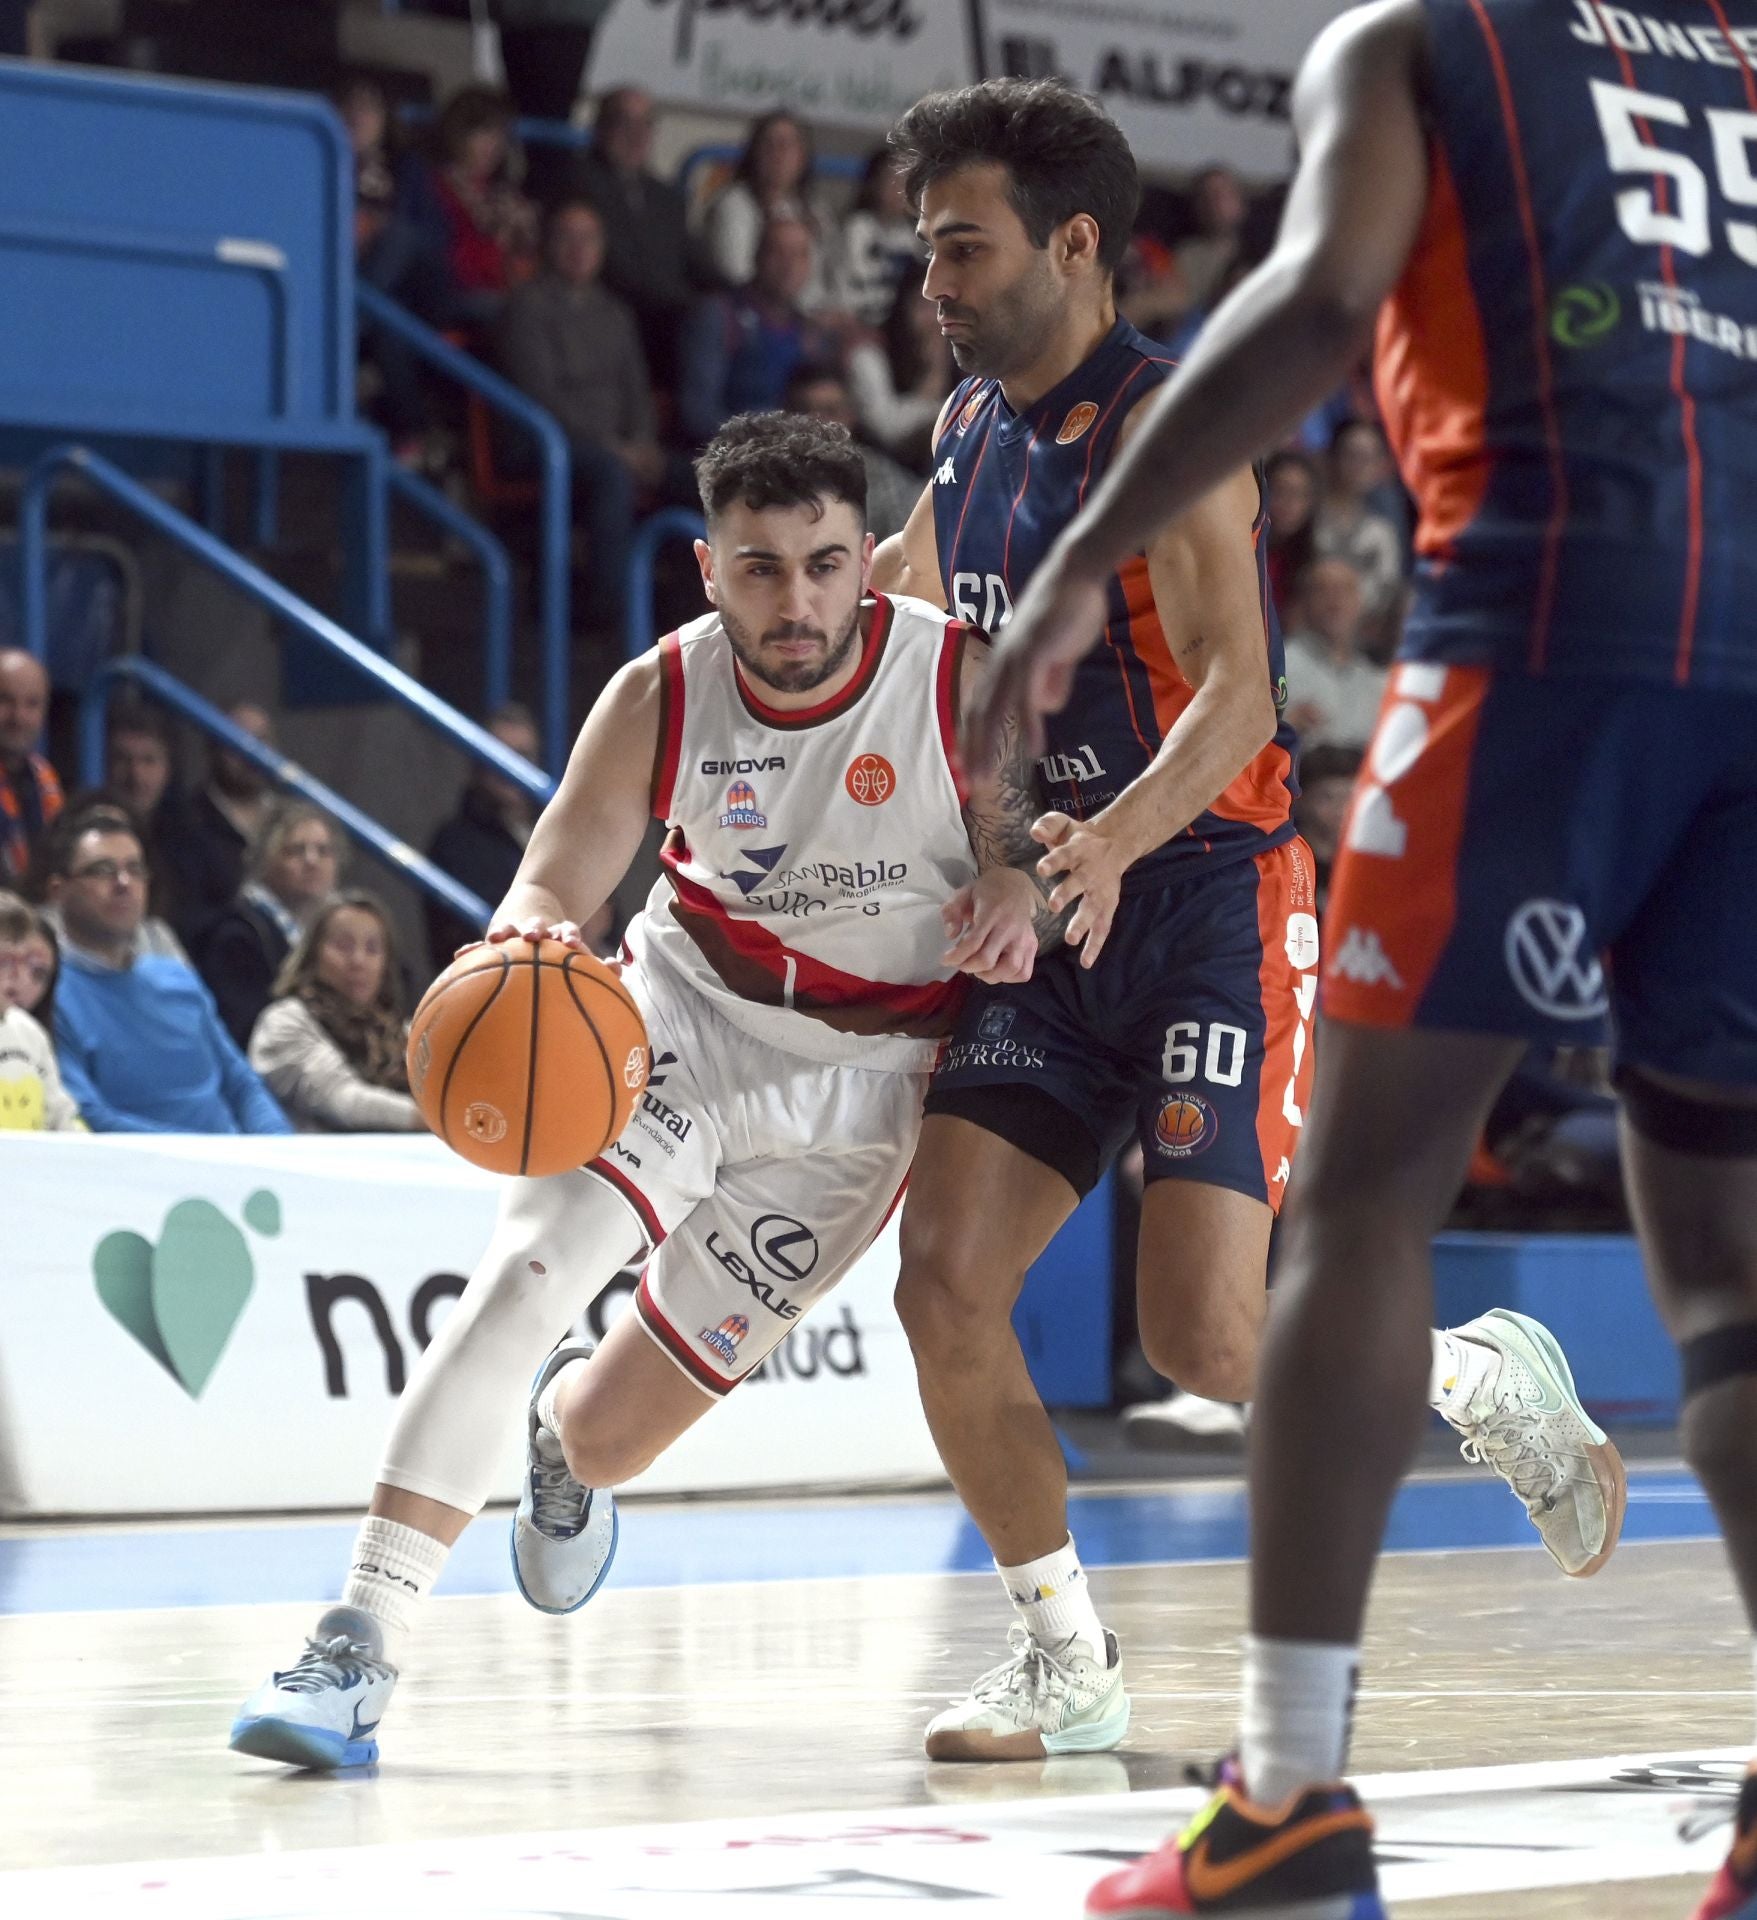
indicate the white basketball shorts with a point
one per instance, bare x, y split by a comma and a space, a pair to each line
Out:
758, 1178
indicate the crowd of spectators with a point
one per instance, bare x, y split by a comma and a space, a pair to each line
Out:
189, 948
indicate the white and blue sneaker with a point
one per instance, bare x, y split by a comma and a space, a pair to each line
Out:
563, 1535
323, 1711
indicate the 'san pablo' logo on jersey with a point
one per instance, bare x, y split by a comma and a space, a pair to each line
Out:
871, 779
764, 859
1582, 316
1078, 420
742, 807
1552, 961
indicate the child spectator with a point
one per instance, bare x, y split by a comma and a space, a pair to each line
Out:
332, 1042
30, 793
140, 1043
32, 1098
293, 866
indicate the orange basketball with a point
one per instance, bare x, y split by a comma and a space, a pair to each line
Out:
527, 1059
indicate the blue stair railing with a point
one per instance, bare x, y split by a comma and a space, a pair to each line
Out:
249, 579
669, 523
443, 511
554, 511
170, 692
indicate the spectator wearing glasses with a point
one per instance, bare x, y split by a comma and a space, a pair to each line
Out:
32, 1097
292, 869
140, 1042
332, 1043
30, 793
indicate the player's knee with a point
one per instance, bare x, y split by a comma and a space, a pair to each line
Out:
1218, 1363
602, 1453
942, 1313
1720, 1379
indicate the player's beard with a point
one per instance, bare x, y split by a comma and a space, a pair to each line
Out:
1012, 330
791, 676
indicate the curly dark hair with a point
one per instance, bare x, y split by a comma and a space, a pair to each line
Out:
780, 460
1063, 155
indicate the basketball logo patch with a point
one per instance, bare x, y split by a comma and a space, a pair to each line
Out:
1078, 420
871, 779
1186, 1125
483, 1122
972, 407
743, 810
423, 1059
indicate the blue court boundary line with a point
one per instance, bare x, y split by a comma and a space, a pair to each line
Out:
122, 1568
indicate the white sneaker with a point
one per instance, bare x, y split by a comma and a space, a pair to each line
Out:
1526, 1423
323, 1711
1039, 1701
563, 1535
1183, 1416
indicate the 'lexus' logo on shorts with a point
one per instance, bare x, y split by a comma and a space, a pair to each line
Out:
1552, 962
787, 1247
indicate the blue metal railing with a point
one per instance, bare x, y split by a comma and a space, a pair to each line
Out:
554, 510
170, 692
496, 577
669, 523
249, 579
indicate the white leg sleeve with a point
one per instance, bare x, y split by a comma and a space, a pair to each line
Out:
557, 1244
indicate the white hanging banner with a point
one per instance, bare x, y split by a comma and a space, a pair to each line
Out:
856, 63
1189, 84
200, 1326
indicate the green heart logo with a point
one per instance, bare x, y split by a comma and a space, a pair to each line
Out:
181, 1299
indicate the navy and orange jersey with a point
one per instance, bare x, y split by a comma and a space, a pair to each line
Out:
1005, 484
1568, 368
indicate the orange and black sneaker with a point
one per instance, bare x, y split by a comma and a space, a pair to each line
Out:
1311, 1859
1734, 1893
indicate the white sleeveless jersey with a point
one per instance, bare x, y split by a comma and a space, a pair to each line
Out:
809, 852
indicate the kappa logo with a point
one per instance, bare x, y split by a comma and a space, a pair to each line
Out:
1078, 420
743, 810
946, 473
871, 779
1363, 960
1552, 961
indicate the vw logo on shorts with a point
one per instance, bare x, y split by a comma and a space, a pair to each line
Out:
1552, 961
785, 1246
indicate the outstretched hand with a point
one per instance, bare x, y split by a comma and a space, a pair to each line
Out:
1087, 867
991, 928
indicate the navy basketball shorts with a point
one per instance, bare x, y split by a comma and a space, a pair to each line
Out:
1538, 858
1192, 1031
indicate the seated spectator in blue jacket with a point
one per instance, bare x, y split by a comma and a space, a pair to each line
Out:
742, 348
141, 1045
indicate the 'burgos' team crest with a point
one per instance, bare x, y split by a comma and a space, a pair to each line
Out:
742, 808
1186, 1125
727, 1337
871, 779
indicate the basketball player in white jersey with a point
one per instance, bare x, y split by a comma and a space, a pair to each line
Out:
792, 968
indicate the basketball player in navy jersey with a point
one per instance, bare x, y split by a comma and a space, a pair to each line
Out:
1545, 209
1178, 1009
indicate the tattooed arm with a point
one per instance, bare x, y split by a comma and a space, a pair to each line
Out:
999, 925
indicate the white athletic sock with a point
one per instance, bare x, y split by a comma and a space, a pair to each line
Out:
1052, 1598
1299, 1709
547, 1418
394, 1567
1460, 1369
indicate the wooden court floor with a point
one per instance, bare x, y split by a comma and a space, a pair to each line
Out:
759, 1705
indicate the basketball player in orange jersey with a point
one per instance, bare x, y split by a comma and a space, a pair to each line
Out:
1544, 208
1178, 1009
790, 966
